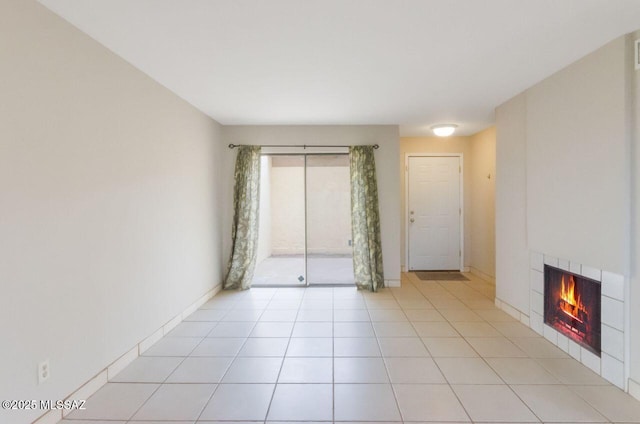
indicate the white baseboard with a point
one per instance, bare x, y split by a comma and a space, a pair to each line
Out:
392, 283
517, 314
88, 388
51, 417
634, 388
122, 362
150, 340
482, 275
110, 371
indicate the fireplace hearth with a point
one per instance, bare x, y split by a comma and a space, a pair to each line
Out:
572, 306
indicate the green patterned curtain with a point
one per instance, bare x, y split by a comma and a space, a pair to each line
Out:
244, 232
365, 219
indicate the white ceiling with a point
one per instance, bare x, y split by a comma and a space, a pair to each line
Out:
409, 62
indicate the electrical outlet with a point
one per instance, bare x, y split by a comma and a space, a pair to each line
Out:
44, 371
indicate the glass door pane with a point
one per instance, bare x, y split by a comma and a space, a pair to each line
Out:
281, 238
329, 252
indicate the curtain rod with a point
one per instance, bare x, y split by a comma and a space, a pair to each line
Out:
304, 146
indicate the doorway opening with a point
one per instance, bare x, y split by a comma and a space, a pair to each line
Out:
305, 221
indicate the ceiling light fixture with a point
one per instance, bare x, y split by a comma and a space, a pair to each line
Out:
444, 130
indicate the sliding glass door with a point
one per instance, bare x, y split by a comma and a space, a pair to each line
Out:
281, 236
329, 252
305, 221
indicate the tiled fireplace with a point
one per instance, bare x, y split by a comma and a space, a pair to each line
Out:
584, 314
572, 307
569, 332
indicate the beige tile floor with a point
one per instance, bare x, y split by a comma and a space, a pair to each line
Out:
427, 352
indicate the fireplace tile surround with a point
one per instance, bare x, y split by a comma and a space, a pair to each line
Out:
611, 365
572, 306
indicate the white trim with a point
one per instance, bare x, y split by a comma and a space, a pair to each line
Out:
627, 333
634, 388
406, 203
122, 362
392, 283
52, 417
89, 388
511, 310
173, 323
461, 183
406, 212
482, 275
107, 373
150, 340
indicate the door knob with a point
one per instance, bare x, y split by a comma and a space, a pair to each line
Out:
411, 220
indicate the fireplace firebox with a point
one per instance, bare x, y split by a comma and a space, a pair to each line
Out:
572, 306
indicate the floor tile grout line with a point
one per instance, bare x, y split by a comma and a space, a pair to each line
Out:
275, 385
479, 356
184, 358
397, 296
565, 386
386, 368
204, 407
411, 323
448, 382
219, 382
144, 403
483, 358
333, 360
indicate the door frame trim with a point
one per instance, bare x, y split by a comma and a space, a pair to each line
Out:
406, 203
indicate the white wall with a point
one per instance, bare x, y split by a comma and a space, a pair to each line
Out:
567, 177
482, 160
569, 135
110, 212
287, 210
578, 162
634, 300
512, 254
387, 168
328, 209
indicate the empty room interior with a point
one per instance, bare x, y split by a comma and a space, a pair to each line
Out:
283, 211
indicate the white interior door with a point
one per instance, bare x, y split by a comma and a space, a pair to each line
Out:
434, 213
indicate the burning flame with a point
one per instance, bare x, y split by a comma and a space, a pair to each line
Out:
572, 304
